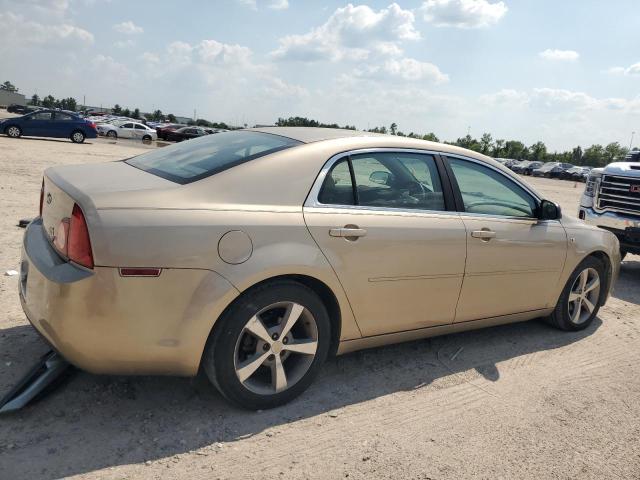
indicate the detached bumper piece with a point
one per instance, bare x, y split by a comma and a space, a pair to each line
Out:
49, 369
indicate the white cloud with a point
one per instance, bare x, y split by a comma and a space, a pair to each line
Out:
21, 32
407, 69
124, 43
109, 68
212, 51
505, 97
463, 13
631, 70
560, 55
351, 32
279, 4
128, 28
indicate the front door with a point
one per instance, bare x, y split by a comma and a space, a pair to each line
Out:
514, 260
39, 125
397, 249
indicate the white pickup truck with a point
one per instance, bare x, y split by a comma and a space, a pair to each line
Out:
611, 200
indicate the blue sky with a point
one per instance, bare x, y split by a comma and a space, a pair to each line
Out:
564, 72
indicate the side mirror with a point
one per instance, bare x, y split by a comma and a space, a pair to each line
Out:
549, 210
381, 178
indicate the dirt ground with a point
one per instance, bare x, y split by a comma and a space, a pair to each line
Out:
517, 401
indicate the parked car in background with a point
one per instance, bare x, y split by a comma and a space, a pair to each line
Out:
551, 169
165, 129
133, 130
576, 174
530, 167
520, 165
186, 133
49, 123
23, 109
378, 239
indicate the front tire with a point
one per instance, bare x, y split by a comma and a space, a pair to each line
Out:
112, 134
13, 131
581, 298
77, 137
269, 345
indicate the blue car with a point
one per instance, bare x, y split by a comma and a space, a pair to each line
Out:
49, 123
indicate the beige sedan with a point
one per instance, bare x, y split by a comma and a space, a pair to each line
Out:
255, 254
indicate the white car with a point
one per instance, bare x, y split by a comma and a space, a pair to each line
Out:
128, 130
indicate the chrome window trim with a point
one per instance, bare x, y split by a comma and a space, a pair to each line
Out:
312, 197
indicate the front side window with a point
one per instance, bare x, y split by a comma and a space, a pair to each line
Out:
127, 125
187, 162
385, 179
489, 192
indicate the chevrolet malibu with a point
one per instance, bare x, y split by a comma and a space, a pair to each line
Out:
254, 255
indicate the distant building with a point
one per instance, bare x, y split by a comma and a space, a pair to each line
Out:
183, 119
7, 98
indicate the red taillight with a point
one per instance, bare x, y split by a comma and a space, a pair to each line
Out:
92, 125
78, 242
41, 196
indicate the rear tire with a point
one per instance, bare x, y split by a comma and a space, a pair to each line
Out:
77, 137
147, 138
581, 298
13, 131
269, 345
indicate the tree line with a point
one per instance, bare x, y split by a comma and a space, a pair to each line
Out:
593, 156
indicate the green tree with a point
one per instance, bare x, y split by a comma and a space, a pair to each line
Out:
498, 149
201, 122
35, 100
8, 86
117, 109
171, 117
594, 156
576, 156
136, 113
125, 112
486, 142
49, 101
538, 152
614, 152
393, 128
515, 149
68, 104
430, 137
157, 116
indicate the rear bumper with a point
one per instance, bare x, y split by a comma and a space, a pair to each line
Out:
104, 323
625, 227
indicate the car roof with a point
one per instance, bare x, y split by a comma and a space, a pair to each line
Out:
313, 134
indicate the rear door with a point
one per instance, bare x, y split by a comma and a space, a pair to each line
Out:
62, 125
514, 260
126, 130
393, 241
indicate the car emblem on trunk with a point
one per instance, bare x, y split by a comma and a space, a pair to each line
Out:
49, 199
634, 188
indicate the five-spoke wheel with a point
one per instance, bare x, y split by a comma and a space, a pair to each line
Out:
582, 296
268, 347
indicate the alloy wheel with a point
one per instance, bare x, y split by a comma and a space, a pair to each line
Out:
78, 137
584, 295
276, 348
13, 132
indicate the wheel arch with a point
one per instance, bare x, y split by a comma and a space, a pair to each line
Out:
319, 287
604, 258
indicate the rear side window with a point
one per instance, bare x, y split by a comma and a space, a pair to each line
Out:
199, 158
63, 117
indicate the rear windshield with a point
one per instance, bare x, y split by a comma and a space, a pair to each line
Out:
193, 160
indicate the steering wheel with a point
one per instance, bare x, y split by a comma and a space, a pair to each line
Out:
500, 204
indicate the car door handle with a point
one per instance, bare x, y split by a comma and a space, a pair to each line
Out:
483, 234
347, 232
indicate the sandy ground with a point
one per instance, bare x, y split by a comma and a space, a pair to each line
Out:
518, 401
